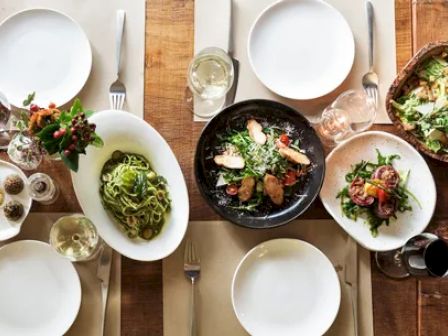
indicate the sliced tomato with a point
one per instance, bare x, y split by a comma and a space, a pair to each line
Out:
382, 195
284, 139
290, 178
232, 189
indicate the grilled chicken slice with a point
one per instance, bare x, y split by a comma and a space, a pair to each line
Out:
246, 190
230, 161
256, 132
274, 189
294, 156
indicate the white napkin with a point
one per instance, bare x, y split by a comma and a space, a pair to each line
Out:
211, 29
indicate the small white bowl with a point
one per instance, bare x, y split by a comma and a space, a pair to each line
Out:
123, 131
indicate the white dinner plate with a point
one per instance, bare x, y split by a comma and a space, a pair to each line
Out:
125, 132
40, 291
421, 183
46, 52
286, 287
301, 49
9, 228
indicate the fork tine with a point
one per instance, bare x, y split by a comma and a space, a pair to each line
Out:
193, 253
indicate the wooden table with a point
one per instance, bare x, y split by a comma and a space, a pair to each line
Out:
410, 307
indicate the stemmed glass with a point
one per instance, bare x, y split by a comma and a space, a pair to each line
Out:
352, 112
423, 255
75, 237
210, 77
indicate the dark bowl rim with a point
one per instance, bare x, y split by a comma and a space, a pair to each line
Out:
216, 208
395, 89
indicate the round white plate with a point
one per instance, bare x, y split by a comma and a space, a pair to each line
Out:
9, 228
46, 52
123, 131
301, 49
421, 183
40, 291
285, 287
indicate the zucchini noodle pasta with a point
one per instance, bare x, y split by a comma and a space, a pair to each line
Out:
135, 195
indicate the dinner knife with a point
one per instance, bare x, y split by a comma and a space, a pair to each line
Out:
103, 274
231, 94
351, 278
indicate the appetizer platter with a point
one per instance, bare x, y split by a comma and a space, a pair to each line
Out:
15, 200
417, 101
379, 190
259, 163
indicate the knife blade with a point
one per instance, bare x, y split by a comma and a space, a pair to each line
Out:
231, 94
103, 274
351, 277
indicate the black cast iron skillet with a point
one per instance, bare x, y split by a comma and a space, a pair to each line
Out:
235, 117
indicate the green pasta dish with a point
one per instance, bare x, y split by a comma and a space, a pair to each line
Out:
135, 195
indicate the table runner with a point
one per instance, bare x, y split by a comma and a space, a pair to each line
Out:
97, 18
37, 227
211, 29
222, 245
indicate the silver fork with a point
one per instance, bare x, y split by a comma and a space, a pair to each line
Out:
192, 270
370, 79
117, 91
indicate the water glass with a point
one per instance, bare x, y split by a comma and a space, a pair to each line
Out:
24, 151
423, 255
75, 237
210, 77
351, 113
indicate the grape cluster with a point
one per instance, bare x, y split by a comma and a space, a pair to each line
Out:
81, 134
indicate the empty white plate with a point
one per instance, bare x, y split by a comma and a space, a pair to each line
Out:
301, 49
286, 287
46, 52
421, 183
40, 291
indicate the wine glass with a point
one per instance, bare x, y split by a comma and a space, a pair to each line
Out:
352, 112
5, 112
75, 237
423, 255
210, 77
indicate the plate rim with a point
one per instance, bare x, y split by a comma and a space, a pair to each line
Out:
80, 29
71, 265
298, 96
386, 135
184, 186
289, 241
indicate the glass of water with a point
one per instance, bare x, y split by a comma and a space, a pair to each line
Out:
423, 255
351, 113
75, 237
210, 77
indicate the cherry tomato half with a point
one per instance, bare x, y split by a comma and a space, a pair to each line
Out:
383, 196
285, 139
232, 189
290, 178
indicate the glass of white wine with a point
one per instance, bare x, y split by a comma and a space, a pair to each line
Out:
351, 113
210, 77
75, 237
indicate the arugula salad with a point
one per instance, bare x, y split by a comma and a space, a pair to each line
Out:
375, 191
423, 106
260, 163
